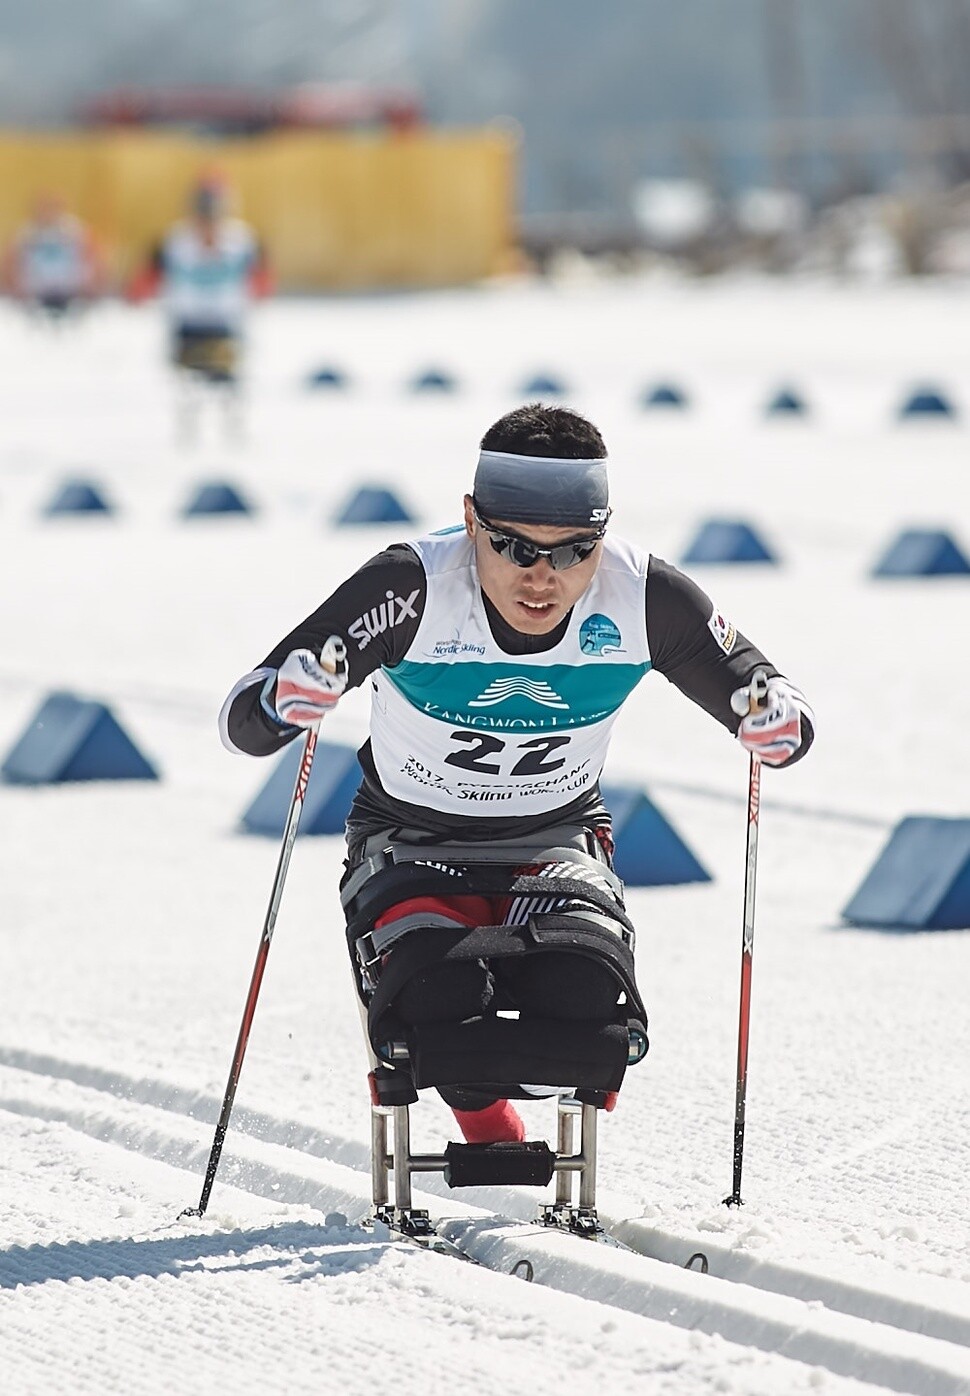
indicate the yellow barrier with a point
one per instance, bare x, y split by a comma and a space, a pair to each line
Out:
335, 211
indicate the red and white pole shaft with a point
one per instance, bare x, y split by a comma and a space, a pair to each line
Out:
269, 924
749, 700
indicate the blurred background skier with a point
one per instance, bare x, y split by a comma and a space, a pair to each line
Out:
208, 270
52, 266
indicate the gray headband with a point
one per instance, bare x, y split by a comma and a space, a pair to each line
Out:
542, 490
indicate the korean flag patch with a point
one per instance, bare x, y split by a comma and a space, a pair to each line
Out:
722, 630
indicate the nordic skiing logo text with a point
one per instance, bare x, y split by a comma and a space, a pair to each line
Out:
500, 690
444, 649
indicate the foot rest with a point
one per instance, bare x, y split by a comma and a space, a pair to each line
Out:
531, 1164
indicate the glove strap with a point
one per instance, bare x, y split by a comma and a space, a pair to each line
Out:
266, 704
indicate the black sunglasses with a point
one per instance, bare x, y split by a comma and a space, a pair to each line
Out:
525, 554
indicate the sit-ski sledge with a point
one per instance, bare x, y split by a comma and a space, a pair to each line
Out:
579, 909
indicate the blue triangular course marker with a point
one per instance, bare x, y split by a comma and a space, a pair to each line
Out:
333, 783
433, 380
727, 540
327, 378
649, 853
927, 402
215, 497
920, 881
373, 504
72, 738
664, 395
922, 553
543, 385
786, 403
77, 497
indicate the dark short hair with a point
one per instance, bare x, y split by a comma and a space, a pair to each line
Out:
539, 430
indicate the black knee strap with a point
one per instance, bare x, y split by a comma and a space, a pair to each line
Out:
390, 874
395, 883
563, 931
591, 1056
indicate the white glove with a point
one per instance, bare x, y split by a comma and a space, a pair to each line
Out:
773, 729
307, 687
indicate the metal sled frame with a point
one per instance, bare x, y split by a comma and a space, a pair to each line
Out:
391, 1125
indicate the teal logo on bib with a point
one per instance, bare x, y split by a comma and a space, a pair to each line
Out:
599, 635
503, 697
518, 686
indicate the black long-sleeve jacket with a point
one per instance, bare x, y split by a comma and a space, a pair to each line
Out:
377, 612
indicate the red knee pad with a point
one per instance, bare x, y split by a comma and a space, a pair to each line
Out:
499, 1123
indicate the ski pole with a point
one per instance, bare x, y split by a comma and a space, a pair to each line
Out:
269, 925
745, 701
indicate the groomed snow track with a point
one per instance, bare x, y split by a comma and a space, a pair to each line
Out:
878, 1336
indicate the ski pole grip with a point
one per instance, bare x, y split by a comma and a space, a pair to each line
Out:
754, 697
333, 655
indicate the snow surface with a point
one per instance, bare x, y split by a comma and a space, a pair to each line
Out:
132, 911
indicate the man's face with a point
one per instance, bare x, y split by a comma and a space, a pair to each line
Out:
47, 209
207, 226
208, 207
533, 599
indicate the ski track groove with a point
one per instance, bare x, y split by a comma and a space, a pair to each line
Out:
873, 1335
